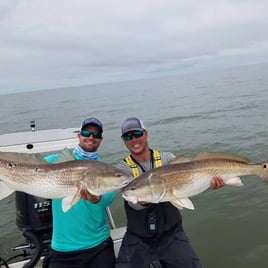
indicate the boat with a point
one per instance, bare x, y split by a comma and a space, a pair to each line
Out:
37, 233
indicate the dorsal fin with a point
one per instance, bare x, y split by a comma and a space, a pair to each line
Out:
24, 158
221, 155
179, 159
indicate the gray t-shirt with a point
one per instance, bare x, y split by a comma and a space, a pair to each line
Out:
166, 157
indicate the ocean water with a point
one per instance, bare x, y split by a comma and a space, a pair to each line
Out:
224, 110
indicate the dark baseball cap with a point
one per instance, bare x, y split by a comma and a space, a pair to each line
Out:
92, 121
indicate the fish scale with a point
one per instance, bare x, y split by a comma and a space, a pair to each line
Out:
60, 180
177, 182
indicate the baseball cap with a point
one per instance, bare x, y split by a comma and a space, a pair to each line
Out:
132, 124
92, 121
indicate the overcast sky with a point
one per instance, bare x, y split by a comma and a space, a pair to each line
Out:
61, 43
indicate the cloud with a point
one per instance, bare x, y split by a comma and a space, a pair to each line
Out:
47, 44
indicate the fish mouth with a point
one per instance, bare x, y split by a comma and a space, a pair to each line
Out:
132, 199
126, 182
130, 179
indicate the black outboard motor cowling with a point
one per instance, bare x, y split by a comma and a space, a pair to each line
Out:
34, 219
33, 213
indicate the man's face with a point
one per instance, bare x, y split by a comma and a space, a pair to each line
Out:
137, 145
90, 138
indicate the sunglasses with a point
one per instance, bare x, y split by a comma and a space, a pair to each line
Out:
86, 133
130, 135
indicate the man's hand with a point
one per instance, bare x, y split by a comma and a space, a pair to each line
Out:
216, 182
86, 195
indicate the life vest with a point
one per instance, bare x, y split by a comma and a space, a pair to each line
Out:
155, 219
157, 162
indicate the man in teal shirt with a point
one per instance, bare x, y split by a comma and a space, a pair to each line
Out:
81, 236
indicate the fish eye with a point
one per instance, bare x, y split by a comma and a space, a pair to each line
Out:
132, 188
265, 166
118, 174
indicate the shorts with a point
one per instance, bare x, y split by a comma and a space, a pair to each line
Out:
99, 256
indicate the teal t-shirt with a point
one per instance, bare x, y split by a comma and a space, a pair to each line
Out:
83, 226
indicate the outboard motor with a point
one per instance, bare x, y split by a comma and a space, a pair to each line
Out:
34, 219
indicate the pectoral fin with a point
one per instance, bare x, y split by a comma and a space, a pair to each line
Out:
5, 191
66, 203
236, 181
182, 203
69, 201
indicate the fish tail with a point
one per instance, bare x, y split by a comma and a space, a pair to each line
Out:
5, 191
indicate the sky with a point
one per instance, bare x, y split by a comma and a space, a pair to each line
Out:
46, 44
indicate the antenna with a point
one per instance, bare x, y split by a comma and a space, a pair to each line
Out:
32, 125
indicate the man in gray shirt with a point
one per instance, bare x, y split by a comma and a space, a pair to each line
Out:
154, 231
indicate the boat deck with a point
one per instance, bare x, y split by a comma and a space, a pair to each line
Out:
116, 234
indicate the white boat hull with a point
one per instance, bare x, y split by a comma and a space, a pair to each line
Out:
39, 141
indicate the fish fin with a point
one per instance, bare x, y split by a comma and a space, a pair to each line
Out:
66, 203
221, 155
175, 204
235, 181
179, 159
24, 158
182, 203
5, 191
76, 197
69, 201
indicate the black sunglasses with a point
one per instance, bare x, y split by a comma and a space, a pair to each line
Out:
86, 133
130, 135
